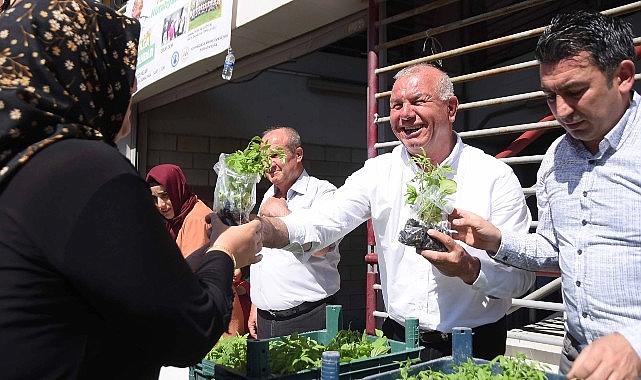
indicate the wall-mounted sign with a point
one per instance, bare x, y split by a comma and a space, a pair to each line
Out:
177, 33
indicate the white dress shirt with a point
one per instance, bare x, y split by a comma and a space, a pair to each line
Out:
282, 280
590, 228
412, 287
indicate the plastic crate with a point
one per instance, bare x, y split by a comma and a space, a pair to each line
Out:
461, 352
258, 355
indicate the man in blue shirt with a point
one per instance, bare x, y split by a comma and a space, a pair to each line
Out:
588, 194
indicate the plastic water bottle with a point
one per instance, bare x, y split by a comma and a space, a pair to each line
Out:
330, 365
228, 66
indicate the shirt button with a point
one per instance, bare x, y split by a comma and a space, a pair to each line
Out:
578, 283
579, 252
585, 193
585, 315
584, 222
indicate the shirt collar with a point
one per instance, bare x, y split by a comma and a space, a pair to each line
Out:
300, 186
452, 159
615, 137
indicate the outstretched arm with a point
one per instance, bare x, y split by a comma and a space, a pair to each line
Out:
275, 233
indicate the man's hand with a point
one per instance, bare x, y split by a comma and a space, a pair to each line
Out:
274, 207
475, 231
454, 263
252, 322
610, 357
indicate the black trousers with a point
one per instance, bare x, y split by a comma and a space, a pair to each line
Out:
309, 316
488, 341
569, 353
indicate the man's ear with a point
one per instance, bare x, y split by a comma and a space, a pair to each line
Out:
625, 76
452, 107
298, 153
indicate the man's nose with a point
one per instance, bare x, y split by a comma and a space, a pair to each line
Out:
563, 108
407, 111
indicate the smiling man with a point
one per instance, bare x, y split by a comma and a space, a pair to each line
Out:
588, 194
461, 287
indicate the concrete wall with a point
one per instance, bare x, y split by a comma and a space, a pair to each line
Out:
193, 132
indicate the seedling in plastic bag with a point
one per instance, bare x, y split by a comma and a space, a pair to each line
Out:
427, 193
238, 174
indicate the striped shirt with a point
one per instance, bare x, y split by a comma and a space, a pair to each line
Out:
590, 229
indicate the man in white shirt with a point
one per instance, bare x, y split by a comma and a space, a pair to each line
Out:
289, 293
461, 287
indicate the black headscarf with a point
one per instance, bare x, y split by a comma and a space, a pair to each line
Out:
66, 71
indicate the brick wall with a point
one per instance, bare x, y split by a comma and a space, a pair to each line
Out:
197, 154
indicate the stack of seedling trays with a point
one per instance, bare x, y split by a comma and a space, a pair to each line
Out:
258, 362
466, 367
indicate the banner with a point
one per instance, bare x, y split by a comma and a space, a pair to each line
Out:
177, 33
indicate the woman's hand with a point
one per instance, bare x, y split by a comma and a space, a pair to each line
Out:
242, 242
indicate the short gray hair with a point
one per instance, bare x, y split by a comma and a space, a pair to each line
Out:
293, 138
445, 87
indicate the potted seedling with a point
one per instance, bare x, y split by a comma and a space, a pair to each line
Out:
238, 174
427, 194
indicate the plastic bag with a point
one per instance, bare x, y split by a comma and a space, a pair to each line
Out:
414, 234
235, 194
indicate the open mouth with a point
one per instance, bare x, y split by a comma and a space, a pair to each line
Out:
411, 129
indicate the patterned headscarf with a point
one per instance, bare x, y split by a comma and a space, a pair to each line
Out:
66, 71
183, 200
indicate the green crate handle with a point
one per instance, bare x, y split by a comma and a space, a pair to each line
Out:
258, 359
258, 350
333, 320
411, 333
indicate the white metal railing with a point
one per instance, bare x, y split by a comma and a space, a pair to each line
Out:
536, 295
463, 23
538, 338
532, 300
497, 41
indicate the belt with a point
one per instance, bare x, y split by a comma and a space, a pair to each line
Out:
574, 342
434, 336
296, 310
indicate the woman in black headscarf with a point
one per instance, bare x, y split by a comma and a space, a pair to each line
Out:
91, 285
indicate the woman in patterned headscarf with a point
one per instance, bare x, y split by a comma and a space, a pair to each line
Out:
91, 285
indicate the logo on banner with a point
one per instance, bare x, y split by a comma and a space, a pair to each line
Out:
175, 58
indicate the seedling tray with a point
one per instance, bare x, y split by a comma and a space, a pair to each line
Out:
258, 355
461, 352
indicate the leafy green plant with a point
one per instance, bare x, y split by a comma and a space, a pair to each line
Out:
353, 345
230, 352
500, 368
427, 194
255, 158
428, 190
238, 174
294, 353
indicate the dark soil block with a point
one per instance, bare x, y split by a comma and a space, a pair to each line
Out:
414, 234
230, 217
